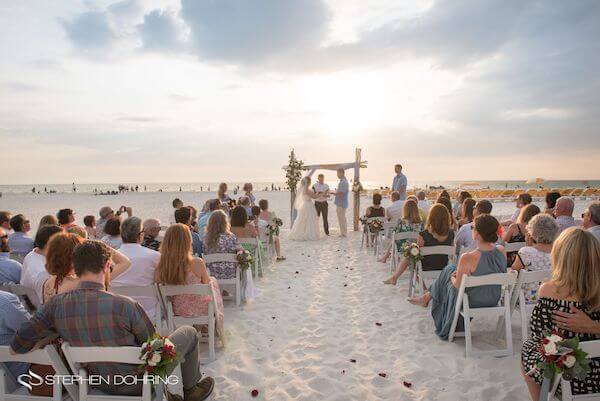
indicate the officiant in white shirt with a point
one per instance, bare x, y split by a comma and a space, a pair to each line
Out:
322, 190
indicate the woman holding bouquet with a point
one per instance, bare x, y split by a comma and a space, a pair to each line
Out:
269, 217
575, 285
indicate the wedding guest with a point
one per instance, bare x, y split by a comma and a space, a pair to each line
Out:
177, 203
464, 237
143, 263
112, 231
591, 219
151, 231
10, 270
5, 222
445, 200
248, 193
79, 231
375, 210
90, 226
423, 203
183, 215
437, 232
34, 272
488, 258
574, 286
564, 212
59, 264
66, 218
19, 242
220, 239
422, 213
177, 266
222, 193
245, 203
541, 230
13, 316
80, 315
107, 213
551, 198
267, 216
457, 206
48, 220
213, 204
521, 201
466, 212
240, 226
341, 201
410, 222
516, 232
395, 210
400, 182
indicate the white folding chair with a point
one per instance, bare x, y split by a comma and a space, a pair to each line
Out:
233, 283
46, 356
410, 236
368, 237
418, 276
27, 296
78, 357
506, 281
518, 296
592, 348
382, 235
167, 292
514, 246
145, 293
268, 245
254, 243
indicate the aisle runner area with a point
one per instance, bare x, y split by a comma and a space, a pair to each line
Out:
318, 312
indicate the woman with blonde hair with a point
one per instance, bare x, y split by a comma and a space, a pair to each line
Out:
575, 284
437, 232
219, 239
59, 263
517, 231
48, 220
177, 266
411, 221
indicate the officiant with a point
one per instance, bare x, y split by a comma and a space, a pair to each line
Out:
322, 189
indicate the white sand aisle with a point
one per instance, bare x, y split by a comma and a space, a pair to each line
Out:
297, 339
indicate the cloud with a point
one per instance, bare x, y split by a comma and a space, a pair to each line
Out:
90, 30
161, 31
18, 87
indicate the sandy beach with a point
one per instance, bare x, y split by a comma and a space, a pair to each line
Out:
318, 311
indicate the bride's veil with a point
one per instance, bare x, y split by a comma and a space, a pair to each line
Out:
300, 201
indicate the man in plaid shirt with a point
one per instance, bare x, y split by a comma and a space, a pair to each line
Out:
91, 316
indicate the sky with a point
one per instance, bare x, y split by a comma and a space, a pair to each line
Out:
207, 90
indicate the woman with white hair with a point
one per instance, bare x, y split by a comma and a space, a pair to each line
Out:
541, 232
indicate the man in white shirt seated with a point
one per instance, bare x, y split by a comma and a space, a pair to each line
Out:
34, 272
591, 219
564, 213
464, 238
143, 263
423, 203
394, 212
321, 204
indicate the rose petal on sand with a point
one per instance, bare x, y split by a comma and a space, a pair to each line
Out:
378, 324
254, 393
407, 384
345, 285
353, 360
383, 375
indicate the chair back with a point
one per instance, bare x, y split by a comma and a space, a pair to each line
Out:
142, 291
448, 250
514, 246
27, 295
220, 257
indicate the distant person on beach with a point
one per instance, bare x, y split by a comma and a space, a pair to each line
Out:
564, 212
551, 198
66, 218
591, 219
151, 231
19, 242
400, 182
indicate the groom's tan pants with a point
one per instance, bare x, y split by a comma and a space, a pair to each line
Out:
341, 215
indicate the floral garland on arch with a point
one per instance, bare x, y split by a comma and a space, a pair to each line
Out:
293, 172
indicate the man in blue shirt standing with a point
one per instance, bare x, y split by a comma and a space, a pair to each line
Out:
341, 202
400, 182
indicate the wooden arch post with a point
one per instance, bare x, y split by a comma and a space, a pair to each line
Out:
356, 183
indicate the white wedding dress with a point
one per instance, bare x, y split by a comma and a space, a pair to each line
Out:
306, 225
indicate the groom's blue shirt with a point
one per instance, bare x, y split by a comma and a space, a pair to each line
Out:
341, 200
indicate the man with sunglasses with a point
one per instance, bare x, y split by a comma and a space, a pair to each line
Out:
591, 219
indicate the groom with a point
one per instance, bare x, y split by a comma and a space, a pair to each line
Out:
341, 202
322, 190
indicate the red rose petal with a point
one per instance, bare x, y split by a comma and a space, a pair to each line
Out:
353, 360
254, 393
378, 324
382, 375
407, 384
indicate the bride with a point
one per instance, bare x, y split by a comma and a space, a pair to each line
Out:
306, 225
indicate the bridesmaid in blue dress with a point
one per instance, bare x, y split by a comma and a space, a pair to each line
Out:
488, 258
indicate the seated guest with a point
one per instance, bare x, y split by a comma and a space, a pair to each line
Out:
255, 218
488, 258
551, 198
222, 193
90, 316
240, 226
177, 203
90, 226
59, 263
457, 206
5, 222
151, 232
177, 266
395, 210
517, 231
112, 231
194, 223
542, 230
422, 214
183, 215
437, 232
213, 204
79, 231
423, 203
245, 203
375, 210
267, 216
591, 219
466, 212
411, 222
219, 239
19, 242
444, 200
574, 287
247, 188
521, 201
464, 238
34, 272
48, 220
66, 218
143, 263
13, 315
564, 212
106, 213
10, 270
